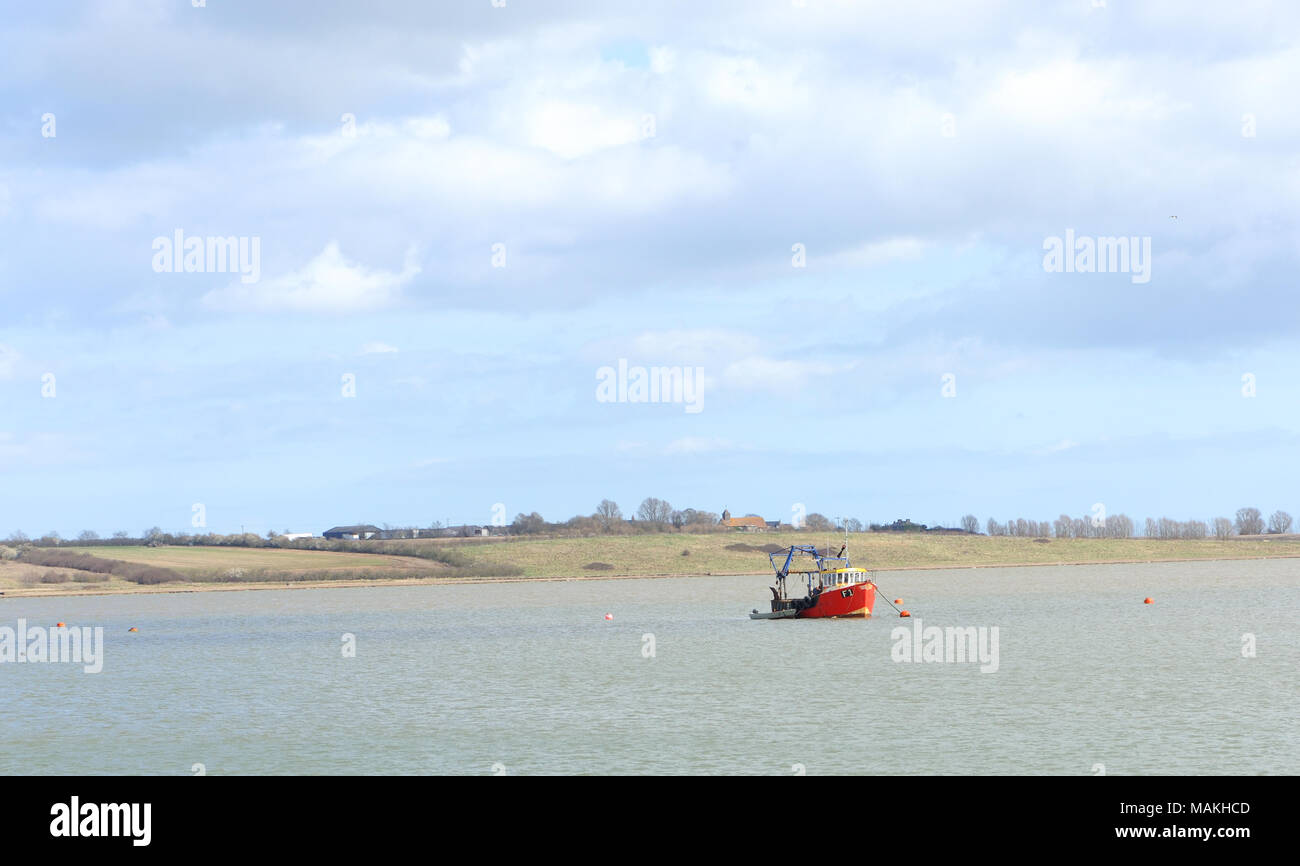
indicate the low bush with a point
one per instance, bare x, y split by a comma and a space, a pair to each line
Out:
146, 575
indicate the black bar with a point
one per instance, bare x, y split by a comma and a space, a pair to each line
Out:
328, 814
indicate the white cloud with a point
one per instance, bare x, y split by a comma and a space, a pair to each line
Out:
40, 449
328, 283
1063, 445
571, 129
377, 348
697, 445
662, 59
8, 361
687, 346
879, 252
764, 88
766, 373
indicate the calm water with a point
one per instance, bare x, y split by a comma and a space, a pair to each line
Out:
530, 678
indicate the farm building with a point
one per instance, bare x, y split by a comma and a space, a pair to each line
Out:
401, 533
355, 533
466, 531
440, 532
752, 523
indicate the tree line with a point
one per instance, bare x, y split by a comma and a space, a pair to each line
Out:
1249, 521
657, 515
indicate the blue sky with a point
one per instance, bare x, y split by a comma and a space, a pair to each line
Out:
645, 175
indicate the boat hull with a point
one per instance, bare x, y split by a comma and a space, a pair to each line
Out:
842, 601
854, 600
776, 614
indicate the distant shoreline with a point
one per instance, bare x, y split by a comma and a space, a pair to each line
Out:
65, 590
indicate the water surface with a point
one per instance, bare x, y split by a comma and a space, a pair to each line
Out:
525, 678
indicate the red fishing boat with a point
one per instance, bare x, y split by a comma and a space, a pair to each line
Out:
835, 587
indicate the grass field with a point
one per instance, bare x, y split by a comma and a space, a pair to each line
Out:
725, 553
216, 567
14, 574
205, 559
613, 556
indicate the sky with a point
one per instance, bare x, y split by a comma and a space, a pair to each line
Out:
833, 220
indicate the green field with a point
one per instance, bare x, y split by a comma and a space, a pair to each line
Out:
666, 553
728, 553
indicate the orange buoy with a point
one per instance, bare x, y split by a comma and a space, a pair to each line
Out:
903, 613
898, 601
133, 628
59, 625
609, 616
1148, 600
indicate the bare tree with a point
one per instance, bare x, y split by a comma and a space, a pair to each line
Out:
608, 513
1249, 521
695, 517
1119, 526
1279, 523
654, 511
818, 522
88, 535
527, 524
1222, 527
584, 524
